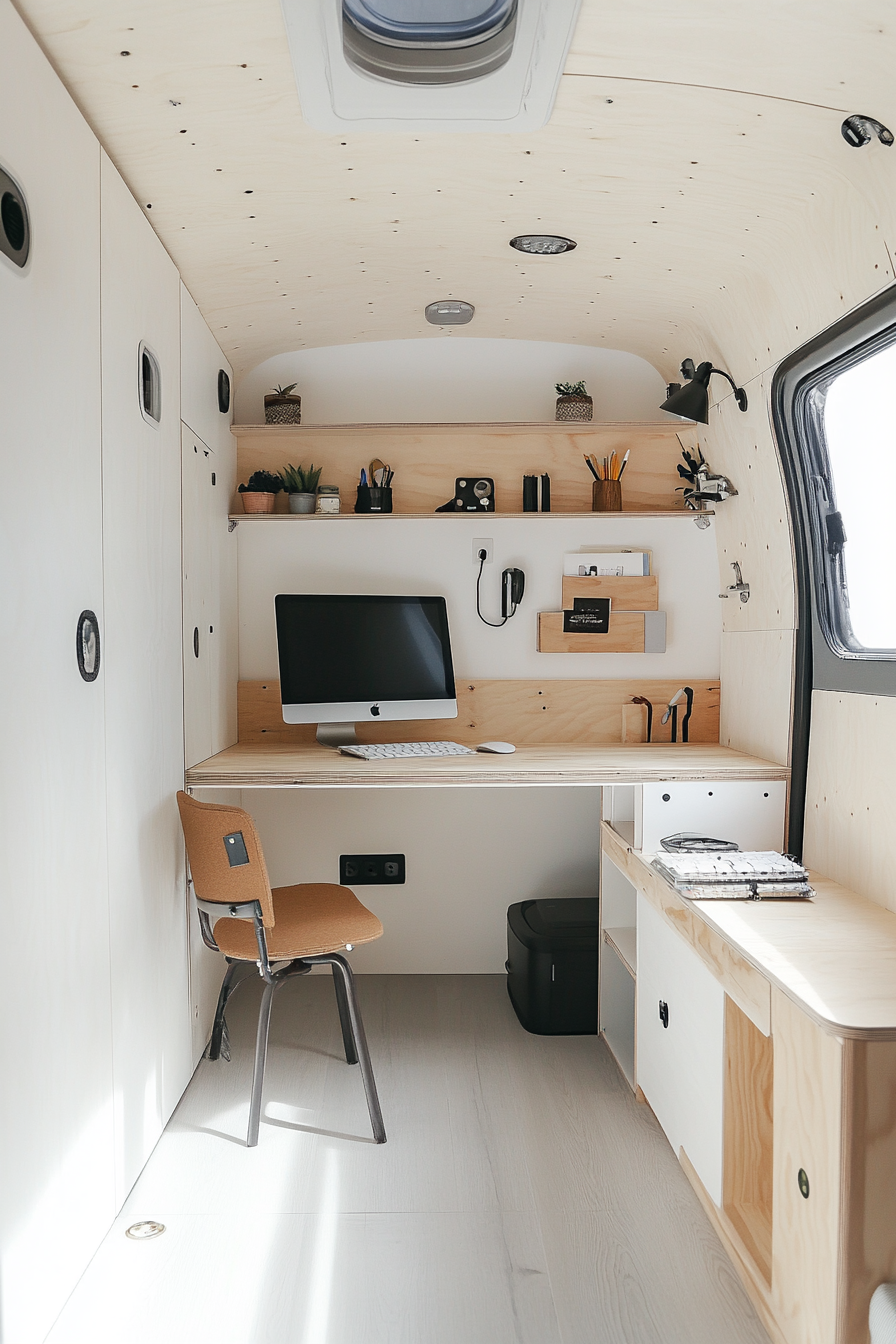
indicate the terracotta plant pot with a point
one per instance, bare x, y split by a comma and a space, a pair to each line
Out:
606, 496
282, 410
299, 502
256, 502
574, 408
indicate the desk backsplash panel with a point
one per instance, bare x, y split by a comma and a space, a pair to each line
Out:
422, 556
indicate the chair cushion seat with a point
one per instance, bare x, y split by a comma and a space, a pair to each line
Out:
311, 918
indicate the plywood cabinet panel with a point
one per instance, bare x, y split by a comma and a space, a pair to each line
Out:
807, 1129
144, 688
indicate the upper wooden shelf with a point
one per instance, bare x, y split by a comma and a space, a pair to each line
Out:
427, 458
483, 427
478, 517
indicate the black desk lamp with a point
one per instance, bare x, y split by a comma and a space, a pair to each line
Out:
692, 400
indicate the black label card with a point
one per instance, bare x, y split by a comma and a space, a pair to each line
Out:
590, 616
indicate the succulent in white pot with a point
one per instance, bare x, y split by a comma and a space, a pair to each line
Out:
300, 483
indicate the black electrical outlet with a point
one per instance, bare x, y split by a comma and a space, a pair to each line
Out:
367, 870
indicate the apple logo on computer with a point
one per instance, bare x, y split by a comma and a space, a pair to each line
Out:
375, 710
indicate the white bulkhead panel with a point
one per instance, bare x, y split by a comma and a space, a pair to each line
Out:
56, 1173
144, 688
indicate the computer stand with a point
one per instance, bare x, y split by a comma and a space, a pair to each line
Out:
336, 735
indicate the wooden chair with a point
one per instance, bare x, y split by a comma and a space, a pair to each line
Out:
303, 926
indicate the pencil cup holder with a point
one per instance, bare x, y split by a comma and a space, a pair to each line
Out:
374, 499
606, 497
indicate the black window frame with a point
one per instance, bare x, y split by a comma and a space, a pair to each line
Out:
821, 660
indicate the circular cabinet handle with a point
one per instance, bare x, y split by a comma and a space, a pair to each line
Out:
664, 1013
87, 645
196, 641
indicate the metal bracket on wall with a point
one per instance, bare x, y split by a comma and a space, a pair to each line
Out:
742, 589
232, 523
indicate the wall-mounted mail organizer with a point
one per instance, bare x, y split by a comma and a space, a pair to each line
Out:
604, 613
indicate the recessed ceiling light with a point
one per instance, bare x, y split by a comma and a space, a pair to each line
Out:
542, 244
449, 312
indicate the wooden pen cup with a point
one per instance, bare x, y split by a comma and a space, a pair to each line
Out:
606, 497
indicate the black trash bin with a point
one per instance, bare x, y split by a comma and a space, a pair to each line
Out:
552, 965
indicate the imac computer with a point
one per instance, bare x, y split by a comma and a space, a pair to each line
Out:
348, 659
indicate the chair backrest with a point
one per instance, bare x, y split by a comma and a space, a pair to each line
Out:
226, 862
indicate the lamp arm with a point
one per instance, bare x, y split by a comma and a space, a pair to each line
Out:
740, 395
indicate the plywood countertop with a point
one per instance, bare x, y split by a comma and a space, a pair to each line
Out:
835, 957
248, 765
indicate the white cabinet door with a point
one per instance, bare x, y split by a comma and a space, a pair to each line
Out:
56, 1171
680, 1056
199, 582
144, 681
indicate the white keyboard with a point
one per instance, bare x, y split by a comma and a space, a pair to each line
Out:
386, 751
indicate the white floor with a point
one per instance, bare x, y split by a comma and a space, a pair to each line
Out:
523, 1197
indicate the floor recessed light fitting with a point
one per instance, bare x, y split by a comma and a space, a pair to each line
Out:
144, 1231
449, 312
542, 244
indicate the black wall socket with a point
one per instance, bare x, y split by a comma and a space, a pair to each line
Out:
367, 870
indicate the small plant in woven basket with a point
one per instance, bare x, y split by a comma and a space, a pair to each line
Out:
260, 491
282, 408
573, 402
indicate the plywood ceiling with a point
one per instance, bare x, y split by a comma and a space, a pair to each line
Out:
690, 149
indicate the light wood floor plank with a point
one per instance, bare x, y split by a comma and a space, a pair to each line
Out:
523, 1197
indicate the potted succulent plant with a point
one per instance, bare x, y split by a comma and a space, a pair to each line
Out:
281, 408
260, 491
573, 402
301, 484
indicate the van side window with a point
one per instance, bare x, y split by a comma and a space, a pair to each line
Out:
851, 498
857, 498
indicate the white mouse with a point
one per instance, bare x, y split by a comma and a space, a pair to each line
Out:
499, 748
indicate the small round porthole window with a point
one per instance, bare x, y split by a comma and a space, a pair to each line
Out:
428, 41
150, 385
15, 230
87, 645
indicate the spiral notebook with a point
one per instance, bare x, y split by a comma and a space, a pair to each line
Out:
758, 875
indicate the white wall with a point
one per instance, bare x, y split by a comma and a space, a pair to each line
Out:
415, 555
454, 378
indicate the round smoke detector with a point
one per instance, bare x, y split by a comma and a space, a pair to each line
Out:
542, 244
449, 312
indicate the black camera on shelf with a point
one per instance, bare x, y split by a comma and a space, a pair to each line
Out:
472, 494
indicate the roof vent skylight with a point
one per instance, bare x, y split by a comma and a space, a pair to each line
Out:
428, 65
440, 42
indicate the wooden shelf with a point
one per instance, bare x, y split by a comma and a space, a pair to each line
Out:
479, 517
671, 427
428, 458
624, 943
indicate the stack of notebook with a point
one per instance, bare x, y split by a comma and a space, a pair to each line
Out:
740, 876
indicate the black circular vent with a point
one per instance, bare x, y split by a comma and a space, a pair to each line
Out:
15, 237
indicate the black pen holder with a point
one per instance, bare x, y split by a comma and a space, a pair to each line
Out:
374, 499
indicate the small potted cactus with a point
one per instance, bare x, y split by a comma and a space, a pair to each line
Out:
281, 408
301, 486
260, 491
573, 402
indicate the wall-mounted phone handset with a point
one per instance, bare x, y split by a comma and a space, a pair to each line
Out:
513, 583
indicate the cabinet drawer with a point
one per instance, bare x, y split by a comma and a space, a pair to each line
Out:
680, 1066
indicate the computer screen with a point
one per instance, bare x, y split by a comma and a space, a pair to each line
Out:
354, 658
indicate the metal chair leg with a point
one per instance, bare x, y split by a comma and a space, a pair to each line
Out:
218, 1043
357, 1026
348, 1040
261, 1050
